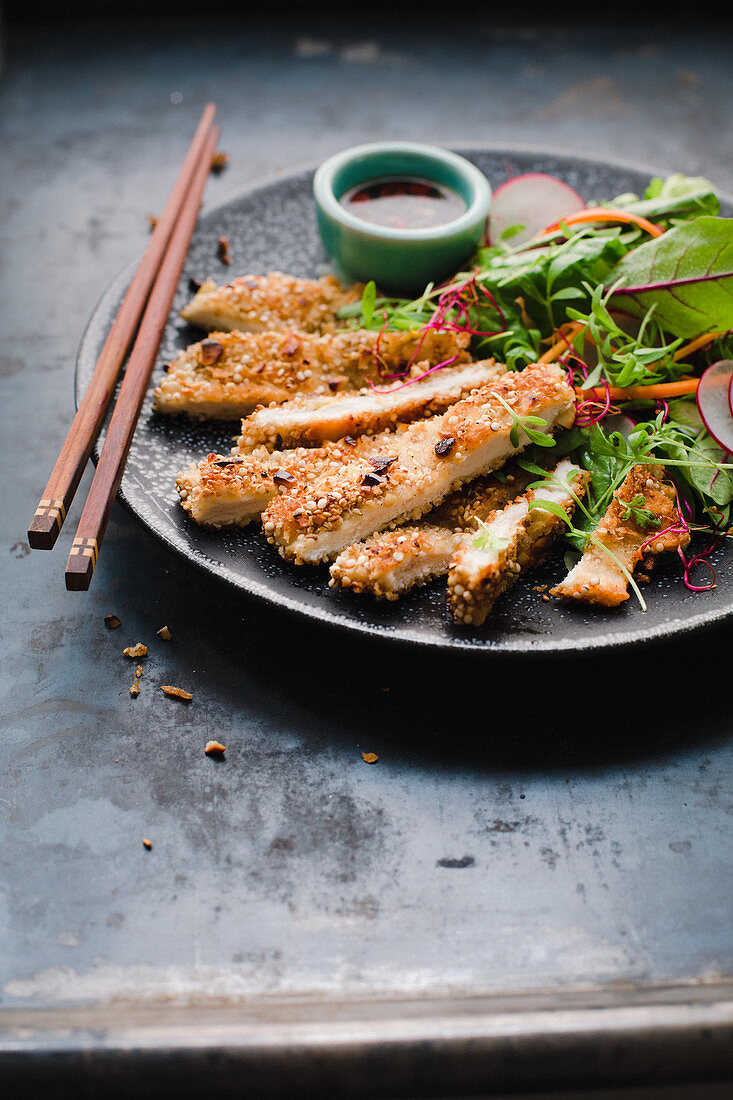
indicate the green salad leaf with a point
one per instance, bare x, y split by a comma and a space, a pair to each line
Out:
687, 274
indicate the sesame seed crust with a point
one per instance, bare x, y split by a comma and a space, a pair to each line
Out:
308, 421
424, 472
229, 374
597, 579
233, 490
522, 539
273, 301
390, 563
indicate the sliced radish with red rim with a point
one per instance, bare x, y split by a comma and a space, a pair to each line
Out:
531, 201
715, 402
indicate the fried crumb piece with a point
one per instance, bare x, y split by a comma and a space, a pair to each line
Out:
112, 622
219, 161
222, 250
546, 598
215, 748
164, 633
147, 843
178, 693
138, 650
135, 688
539, 588
369, 757
152, 221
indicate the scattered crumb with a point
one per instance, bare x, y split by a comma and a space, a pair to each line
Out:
215, 748
178, 693
222, 250
152, 221
112, 622
147, 843
164, 633
138, 650
369, 757
219, 161
539, 588
135, 688
546, 599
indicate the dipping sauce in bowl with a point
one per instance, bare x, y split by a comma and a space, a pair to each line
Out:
404, 203
403, 214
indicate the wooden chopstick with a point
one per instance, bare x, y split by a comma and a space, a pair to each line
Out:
108, 474
86, 426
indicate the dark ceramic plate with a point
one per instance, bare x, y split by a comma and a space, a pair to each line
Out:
273, 227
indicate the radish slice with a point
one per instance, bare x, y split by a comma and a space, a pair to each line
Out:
714, 402
532, 200
619, 422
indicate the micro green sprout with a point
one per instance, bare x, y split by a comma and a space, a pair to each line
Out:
525, 422
489, 540
557, 510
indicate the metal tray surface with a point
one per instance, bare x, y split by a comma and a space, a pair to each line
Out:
272, 227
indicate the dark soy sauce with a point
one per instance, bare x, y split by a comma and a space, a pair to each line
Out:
404, 203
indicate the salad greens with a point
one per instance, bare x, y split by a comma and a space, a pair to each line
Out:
622, 311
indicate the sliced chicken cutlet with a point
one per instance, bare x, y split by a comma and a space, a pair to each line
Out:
229, 374
514, 539
425, 463
274, 301
308, 421
390, 563
232, 490
643, 505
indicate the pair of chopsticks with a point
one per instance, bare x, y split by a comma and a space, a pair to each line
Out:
141, 318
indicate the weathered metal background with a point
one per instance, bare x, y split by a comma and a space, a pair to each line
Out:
537, 830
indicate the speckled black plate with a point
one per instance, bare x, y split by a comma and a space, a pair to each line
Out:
272, 227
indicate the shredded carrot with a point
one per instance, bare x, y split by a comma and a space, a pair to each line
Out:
566, 335
698, 342
635, 393
602, 214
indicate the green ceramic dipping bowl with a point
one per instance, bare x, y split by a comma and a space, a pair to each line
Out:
400, 261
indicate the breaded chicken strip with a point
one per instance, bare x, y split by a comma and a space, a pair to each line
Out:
628, 533
514, 539
428, 460
254, 303
308, 421
229, 374
232, 490
390, 563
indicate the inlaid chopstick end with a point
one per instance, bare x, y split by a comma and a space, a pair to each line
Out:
80, 566
46, 524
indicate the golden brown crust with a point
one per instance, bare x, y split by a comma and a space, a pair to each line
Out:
390, 563
272, 301
229, 374
520, 538
232, 490
307, 422
427, 461
597, 578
